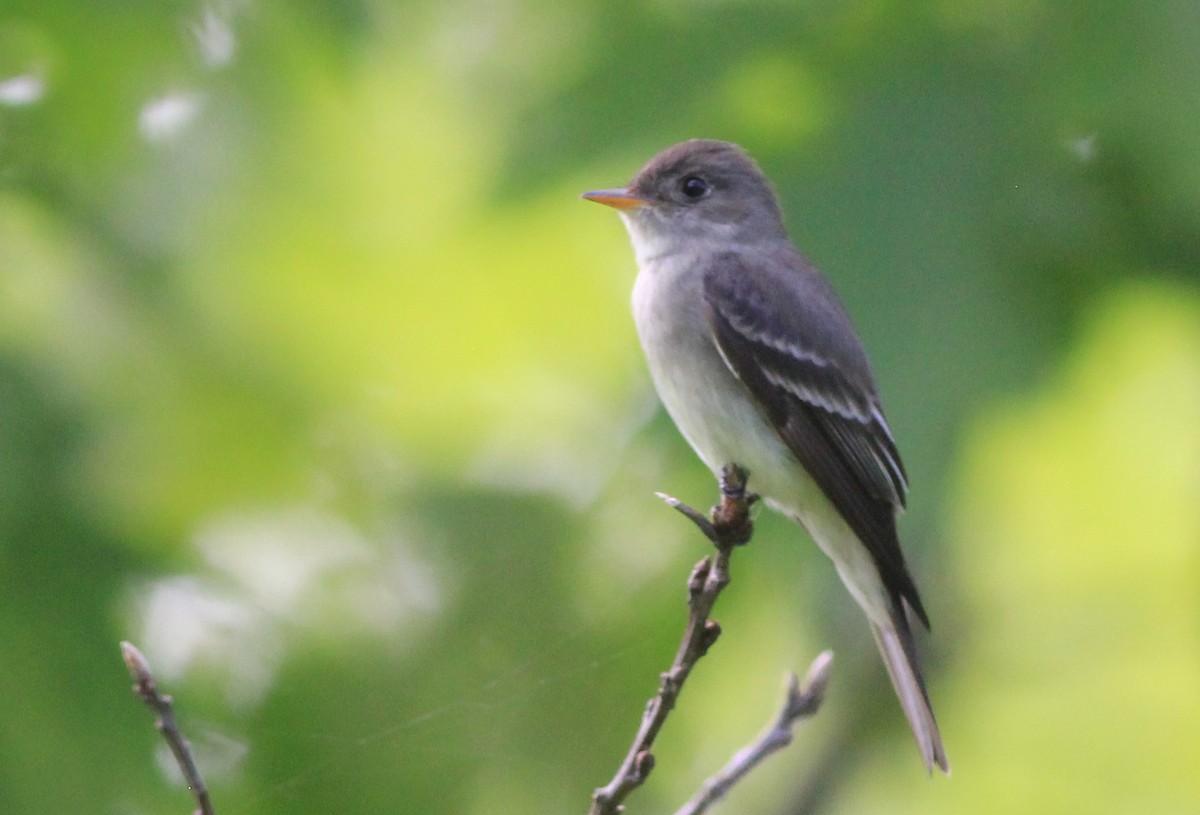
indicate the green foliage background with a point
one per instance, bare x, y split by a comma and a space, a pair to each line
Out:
317, 381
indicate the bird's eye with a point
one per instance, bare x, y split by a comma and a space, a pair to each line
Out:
695, 187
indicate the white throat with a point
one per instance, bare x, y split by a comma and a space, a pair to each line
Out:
653, 239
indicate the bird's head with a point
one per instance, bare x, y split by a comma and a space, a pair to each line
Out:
696, 191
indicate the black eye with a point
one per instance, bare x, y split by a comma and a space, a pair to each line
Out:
695, 187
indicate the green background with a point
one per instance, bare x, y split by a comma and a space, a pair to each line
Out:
317, 381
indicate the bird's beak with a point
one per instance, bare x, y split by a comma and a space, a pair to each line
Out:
621, 199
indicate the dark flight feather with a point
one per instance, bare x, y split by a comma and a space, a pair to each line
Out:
817, 391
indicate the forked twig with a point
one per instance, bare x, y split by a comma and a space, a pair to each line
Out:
728, 526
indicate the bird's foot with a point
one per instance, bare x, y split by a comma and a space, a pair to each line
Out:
728, 524
730, 519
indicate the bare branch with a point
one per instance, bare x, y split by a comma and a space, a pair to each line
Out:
800, 703
728, 527
164, 721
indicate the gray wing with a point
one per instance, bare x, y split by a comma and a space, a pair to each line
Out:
784, 333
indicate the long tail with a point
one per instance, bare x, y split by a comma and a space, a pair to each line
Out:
899, 655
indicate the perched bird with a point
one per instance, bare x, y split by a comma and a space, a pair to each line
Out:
758, 364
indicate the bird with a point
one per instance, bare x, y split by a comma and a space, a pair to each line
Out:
758, 364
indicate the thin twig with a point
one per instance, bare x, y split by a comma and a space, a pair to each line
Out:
164, 721
728, 527
800, 703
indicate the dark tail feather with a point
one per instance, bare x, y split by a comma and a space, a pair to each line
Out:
899, 655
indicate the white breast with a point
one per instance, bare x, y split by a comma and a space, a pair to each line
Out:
724, 425
709, 404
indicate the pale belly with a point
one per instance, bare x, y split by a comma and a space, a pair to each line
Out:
724, 425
